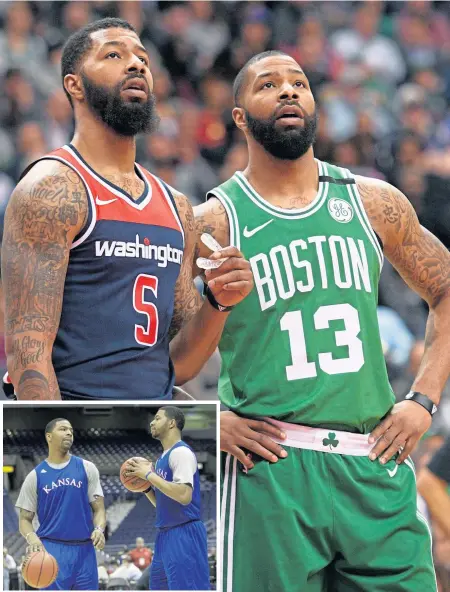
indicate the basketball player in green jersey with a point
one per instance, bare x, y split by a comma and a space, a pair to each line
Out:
302, 355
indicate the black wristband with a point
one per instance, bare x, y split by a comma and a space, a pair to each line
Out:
148, 490
423, 400
207, 292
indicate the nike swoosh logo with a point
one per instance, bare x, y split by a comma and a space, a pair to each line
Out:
104, 202
392, 473
248, 233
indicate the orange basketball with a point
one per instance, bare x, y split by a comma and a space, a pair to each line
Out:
132, 483
39, 569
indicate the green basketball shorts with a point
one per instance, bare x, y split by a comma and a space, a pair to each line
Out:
325, 519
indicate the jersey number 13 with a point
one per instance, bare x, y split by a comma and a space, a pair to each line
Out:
292, 322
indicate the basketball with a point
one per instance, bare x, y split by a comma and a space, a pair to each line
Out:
130, 482
39, 569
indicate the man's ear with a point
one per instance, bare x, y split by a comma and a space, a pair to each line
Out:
239, 118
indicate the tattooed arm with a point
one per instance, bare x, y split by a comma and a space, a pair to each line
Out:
46, 211
196, 325
27, 531
210, 217
424, 263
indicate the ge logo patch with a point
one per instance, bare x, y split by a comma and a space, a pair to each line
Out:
340, 210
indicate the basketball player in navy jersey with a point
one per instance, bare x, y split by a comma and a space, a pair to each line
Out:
65, 495
180, 561
97, 251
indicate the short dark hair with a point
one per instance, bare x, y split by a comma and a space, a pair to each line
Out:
174, 413
240, 77
51, 424
80, 43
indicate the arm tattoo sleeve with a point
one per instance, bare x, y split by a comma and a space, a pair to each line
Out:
187, 298
45, 212
420, 258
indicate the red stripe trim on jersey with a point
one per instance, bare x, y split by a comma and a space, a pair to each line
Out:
158, 213
97, 178
109, 204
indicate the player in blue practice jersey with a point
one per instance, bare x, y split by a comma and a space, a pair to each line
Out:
180, 561
65, 496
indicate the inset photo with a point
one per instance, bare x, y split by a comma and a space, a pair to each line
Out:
101, 497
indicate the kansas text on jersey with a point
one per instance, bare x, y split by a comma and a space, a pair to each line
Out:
63, 508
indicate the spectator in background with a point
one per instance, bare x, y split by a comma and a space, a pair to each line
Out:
31, 145
58, 121
141, 555
363, 47
103, 577
235, 160
312, 52
75, 15
127, 570
8, 565
162, 156
207, 33
433, 483
19, 101
215, 126
176, 51
254, 37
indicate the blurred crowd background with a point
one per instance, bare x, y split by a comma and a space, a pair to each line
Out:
380, 72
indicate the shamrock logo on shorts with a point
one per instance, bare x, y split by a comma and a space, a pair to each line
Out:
331, 441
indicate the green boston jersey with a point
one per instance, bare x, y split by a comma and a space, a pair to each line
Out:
304, 346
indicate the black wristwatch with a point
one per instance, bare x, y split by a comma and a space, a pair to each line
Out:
207, 292
423, 400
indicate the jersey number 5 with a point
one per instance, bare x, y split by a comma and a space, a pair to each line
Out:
149, 334
292, 322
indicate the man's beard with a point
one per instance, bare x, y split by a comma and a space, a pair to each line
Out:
126, 118
285, 143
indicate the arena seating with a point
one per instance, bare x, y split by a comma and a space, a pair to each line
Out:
107, 448
10, 520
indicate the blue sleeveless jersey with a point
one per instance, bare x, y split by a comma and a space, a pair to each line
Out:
63, 506
170, 513
113, 340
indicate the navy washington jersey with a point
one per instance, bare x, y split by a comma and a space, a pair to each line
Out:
170, 513
63, 508
113, 337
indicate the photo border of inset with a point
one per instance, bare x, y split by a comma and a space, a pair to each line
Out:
140, 402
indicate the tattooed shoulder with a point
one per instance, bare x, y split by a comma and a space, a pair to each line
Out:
384, 204
26, 514
420, 258
185, 211
45, 212
48, 203
211, 217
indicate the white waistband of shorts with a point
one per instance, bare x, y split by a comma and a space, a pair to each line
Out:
323, 440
